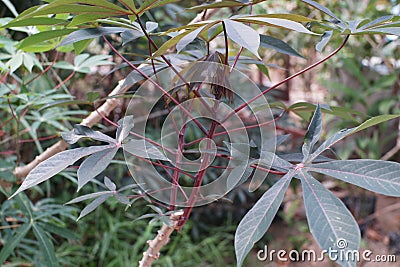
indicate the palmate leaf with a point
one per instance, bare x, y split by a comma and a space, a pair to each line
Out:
55, 164
379, 176
257, 221
330, 222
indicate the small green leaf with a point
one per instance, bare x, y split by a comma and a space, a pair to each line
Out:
243, 35
278, 45
125, 126
170, 43
93, 205
330, 142
324, 41
92, 96
257, 221
109, 184
376, 22
374, 121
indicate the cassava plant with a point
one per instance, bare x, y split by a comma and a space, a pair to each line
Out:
191, 76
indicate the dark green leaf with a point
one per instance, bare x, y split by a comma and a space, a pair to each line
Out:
11, 242
257, 221
94, 165
379, 176
330, 222
313, 132
278, 45
46, 246
60, 231
43, 36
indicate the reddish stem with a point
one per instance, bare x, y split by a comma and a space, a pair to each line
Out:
288, 79
65, 80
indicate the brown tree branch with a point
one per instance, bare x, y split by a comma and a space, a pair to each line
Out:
162, 238
89, 121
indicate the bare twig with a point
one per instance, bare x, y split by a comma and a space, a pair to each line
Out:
89, 121
162, 238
